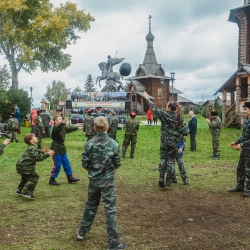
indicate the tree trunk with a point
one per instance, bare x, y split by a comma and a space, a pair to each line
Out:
14, 77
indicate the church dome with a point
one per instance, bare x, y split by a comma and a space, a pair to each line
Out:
150, 36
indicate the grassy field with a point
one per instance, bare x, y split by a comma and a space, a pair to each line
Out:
148, 217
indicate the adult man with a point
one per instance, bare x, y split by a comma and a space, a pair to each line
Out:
243, 144
169, 139
99, 112
214, 124
17, 115
132, 126
89, 124
46, 120
113, 124
192, 126
39, 128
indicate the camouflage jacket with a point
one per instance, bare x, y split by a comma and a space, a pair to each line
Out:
39, 124
2, 146
12, 124
26, 164
169, 123
89, 125
132, 126
58, 137
244, 140
101, 156
215, 126
113, 124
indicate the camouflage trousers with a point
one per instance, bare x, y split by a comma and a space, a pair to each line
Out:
106, 189
182, 169
39, 137
243, 170
28, 183
13, 136
168, 151
130, 138
216, 145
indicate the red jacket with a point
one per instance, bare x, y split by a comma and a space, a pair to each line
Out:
33, 116
149, 114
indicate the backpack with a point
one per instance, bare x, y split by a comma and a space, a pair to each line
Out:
13, 124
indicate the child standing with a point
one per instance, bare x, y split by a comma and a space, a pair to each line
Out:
60, 158
101, 158
12, 126
26, 166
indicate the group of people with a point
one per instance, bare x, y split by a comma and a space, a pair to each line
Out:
101, 158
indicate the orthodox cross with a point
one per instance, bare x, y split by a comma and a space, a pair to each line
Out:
149, 22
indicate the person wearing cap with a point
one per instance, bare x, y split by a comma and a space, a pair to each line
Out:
214, 124
171, 128
132, 126
243, 144
113, 124
12, 126
99, 112
39, 128
17, 115
88, 126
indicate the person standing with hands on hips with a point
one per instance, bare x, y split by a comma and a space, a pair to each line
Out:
243, 144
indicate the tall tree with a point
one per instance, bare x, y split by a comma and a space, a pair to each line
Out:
56, 93
35, 34
4, 77
77, 89
89, 84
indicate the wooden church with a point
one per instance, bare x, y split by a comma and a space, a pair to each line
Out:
150, 77
238, 85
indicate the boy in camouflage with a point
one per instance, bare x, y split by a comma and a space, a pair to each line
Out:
39, 128
101, 159
3, 145
60, 158
26, 166
12, 126
132, 126
88, 126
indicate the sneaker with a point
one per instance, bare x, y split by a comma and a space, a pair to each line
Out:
28, 196
80, 234
119, 247
18, 192
236, 189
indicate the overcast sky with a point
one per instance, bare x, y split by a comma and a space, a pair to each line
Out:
192, 38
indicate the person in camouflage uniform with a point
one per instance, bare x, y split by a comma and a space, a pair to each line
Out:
243, 144
113, 124
3, 145
101, 159
214, 124
12, 126
25, 166
46, 120
39, 128
171, 126
132, 126
88, 127
60, 157
179, 159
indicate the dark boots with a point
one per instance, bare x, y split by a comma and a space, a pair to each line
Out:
161, 181
132, 153
71, 179
168, 181
123, 151
52, 181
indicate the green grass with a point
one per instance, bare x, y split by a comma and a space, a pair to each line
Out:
51, 221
